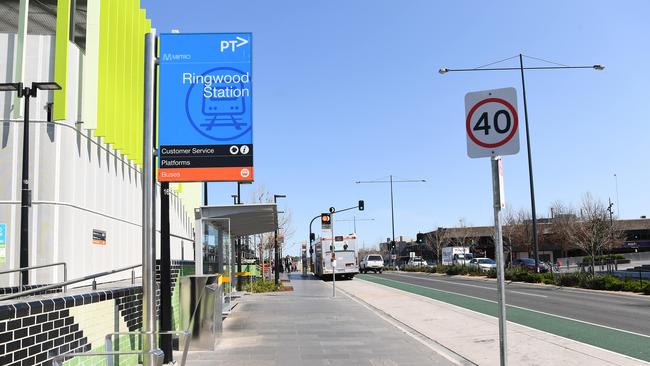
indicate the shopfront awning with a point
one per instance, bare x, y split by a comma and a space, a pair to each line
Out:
246, 219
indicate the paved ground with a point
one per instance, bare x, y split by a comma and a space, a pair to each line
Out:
309, 327
468, 326
629, 312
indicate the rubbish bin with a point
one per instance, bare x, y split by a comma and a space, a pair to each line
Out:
200, 300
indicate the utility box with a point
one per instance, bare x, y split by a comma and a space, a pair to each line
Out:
201, 307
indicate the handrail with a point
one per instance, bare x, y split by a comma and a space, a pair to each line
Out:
157, 354
108, 340
66, 283
23, 269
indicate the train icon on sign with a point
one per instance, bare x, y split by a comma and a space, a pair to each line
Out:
218, 107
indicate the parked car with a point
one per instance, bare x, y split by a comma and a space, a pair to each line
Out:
529, 264
371, 262
484, 264
416, 262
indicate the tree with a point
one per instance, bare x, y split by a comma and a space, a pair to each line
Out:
266, 241
465, 235
436, 240
593, 229
562, 218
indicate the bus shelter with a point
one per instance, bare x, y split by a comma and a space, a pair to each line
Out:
216, 228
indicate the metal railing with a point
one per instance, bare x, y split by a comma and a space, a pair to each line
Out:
25, 269
114, 359
156, 354
71, 282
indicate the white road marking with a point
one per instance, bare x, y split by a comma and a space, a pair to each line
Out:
470, 285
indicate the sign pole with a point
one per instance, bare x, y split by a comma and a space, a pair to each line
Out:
497, 186
148, 202
333, 259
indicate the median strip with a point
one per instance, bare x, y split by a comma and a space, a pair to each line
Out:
633, 345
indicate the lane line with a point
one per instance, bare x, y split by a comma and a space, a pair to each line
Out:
575, 290
468, 285
523, 308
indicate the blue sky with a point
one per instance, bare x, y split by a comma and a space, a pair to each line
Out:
349, 90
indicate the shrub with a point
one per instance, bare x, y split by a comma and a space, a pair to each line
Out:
262, 286
455, 270
492, 273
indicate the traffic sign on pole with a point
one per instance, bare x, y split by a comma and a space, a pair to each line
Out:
492, 123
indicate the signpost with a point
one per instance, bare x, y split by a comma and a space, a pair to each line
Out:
491, 122
205, 120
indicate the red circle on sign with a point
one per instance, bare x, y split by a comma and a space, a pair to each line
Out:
515, 124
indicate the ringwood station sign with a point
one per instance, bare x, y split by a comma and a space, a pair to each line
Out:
205, 128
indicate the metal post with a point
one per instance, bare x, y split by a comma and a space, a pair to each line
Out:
25, 197
496, 185
65, 276
148, 201
392, 222
277, 257
165, 274
530, 168
618, 202
205, 193
333, 258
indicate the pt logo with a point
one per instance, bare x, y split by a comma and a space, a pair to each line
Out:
232, 45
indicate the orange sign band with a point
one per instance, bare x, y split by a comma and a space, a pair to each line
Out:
229, 174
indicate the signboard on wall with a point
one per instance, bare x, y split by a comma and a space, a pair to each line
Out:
205, 126
99, 237
3, 243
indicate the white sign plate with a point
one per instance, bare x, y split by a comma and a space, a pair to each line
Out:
492, 123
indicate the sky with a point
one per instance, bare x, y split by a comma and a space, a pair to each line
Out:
348, 91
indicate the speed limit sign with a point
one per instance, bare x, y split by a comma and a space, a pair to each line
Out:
492, 123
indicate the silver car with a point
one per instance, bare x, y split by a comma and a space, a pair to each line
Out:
484, 264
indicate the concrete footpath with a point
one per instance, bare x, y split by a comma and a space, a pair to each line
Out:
475, 336
307, 326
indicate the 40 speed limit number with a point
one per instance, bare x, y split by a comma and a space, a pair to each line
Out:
492, 123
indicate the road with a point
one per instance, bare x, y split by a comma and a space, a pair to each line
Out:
625, 312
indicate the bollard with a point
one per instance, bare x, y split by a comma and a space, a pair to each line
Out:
94, 284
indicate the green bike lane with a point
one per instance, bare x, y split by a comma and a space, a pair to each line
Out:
626, 343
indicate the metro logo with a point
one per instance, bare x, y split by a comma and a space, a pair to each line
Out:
173, 57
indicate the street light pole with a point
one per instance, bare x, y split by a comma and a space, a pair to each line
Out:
277, 253
25, 193
521, 68
618, 202
530, 168
392, 211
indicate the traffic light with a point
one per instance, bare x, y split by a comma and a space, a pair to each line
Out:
312, 237
325, 219
392, 244
419, 238
361, 205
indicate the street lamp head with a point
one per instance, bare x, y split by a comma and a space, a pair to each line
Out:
443, 70
46, 86
279, 196
599, 67
10, 86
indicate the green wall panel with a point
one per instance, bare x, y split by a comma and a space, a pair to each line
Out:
61, 58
